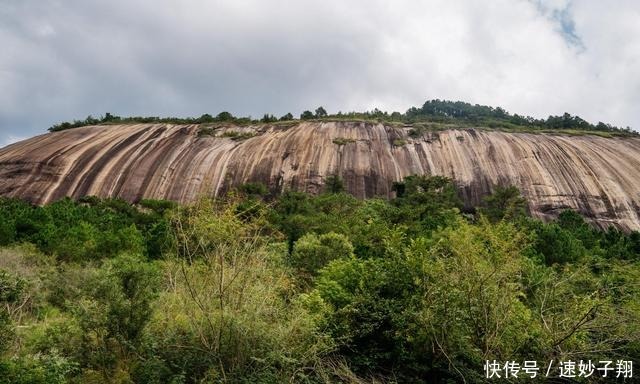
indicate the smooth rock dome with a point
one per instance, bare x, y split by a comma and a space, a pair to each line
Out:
598, 176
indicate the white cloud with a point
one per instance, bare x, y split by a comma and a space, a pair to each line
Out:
69, 59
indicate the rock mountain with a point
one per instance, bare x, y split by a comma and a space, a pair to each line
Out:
599, 177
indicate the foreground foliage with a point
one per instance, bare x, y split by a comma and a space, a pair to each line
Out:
314, 289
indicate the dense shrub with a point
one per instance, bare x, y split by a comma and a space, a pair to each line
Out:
86, 230
312, 252
311, 289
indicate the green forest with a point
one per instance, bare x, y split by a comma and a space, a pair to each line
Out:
433, 114
300, 288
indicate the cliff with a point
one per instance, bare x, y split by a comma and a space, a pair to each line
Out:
599, 177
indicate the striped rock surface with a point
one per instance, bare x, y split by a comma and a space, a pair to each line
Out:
599, 177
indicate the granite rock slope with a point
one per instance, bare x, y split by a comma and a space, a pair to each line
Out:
600, 177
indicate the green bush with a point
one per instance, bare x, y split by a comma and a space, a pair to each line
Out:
306, 115
312, 289
87, 230
342, 141
231, 309
254, 189
286, 117
312, 252
113, 312
238, 136
334, 184
36, 369
557, 245
504, 203
11, 291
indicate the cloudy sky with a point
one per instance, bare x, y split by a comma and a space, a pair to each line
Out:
67, 59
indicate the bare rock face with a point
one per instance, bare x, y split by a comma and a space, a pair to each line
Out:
599, 177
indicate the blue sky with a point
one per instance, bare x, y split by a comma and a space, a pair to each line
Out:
67, 59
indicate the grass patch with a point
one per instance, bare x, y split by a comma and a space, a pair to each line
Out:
343, 141
399, 142
207, 131
238, 136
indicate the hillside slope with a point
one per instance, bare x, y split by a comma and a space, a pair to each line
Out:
600, 177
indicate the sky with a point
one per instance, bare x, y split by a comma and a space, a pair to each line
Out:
66, 59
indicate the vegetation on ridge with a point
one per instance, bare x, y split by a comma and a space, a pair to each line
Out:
433, 111
307, 289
